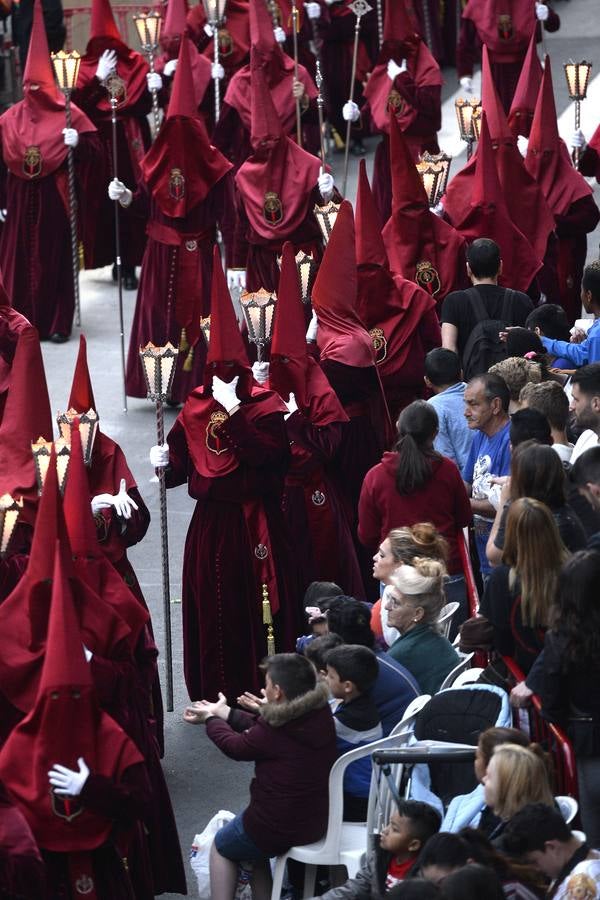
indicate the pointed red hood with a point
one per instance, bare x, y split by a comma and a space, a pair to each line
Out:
81, 397
65, 724
176, 18
488, 216
266, 126
26, 417
370, 249
103, 23
262, 39
38, 68
494, 111
547, 155
528, 85
341, 335
183, 101
226, 355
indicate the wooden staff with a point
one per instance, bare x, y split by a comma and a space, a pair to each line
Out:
359, 8
320, 105
114, 87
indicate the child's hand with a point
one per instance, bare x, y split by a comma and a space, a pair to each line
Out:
251, 702
200, 710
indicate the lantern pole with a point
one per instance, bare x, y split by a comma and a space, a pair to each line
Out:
379, 24
295, 24
578, 76
359, 8
320, 105
148, 28
67, 78
114, 88
159, 390
214, 11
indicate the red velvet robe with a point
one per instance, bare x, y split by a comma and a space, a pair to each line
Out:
35, 242
21, 868
155, 318
223, 631
572, 230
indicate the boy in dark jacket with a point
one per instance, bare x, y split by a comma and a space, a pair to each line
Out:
352, 671
292, 742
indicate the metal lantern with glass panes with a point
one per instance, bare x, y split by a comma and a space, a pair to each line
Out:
258, 308
326, 217
465, 109
434, 170
307, 269
88, 429
158, 364
66, 71
148, 27
214, 11
9, 514
42, 450
578, 79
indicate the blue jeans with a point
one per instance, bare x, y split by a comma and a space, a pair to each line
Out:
233, 843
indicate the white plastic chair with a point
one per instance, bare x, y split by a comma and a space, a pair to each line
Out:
469, 676
445, 617
345, 842
407, 722
568, 807
456, 671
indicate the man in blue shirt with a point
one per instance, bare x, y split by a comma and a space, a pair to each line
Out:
486, 411
443, 376
588, 350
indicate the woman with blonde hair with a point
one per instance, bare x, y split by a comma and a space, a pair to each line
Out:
414, 601
519, 595
515, 776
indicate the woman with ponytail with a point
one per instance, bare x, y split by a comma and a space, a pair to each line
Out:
412, 484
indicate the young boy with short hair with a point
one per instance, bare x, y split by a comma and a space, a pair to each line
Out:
400, 843
352, 671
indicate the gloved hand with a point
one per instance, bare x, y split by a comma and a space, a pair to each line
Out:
542, 12
217, 71
350, 111
298, 90
393, 69
260, 370
236, 278
313, 10
170, 67
522, 145
106, 64
291, 405
279, 35
466, 83
326, 185
154, 81
3, 214
209, 30
331, 2
578, 140
311, 331
67, 782
438, 209
118, 191
87, 653
122, 502
159, 456
71, 137
224, 392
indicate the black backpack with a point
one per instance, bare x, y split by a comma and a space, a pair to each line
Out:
484, 347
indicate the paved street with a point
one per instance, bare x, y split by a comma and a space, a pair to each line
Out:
200, 779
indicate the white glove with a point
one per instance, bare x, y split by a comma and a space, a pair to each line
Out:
578, 140
122, 502
88, 653
217, 71
393, 69
224, 392
522, 144
291, 405
311, 331
350, 111
313, 10
154, 81
3, 214
208, 30
66, 781
438, 209
118, 191
466, 83
71, 137
326, 185
159, 456
260, 370
106, 64
170, 67
542, 12
279, 35
236, 278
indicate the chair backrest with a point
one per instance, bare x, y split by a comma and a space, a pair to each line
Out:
336, 786
568, 806
469, 676
406, 723
445, 617
456, 671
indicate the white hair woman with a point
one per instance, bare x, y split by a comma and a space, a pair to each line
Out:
414, 601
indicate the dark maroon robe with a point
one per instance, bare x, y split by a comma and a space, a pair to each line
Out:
22, 873
589, 161
572, 230
35, 242
154, 318
133, 139
313, 508
224, 635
